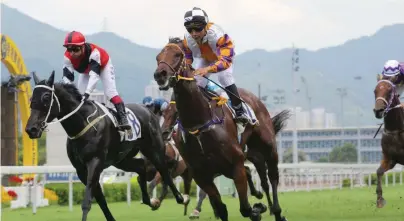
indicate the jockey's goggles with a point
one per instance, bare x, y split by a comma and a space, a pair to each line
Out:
198, 27
73, 48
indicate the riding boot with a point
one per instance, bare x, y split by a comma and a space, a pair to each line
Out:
122, 119
235, 100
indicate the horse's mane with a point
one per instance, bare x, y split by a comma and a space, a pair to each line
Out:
69, 90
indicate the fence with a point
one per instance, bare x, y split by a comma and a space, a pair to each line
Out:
293, 177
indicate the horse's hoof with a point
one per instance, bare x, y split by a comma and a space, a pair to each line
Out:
155, 204
259, 195
187, 199
180, 199
262, 208
283, 219
256, 214
380, 203
194, 215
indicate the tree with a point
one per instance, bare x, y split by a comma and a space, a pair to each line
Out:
347, 153
288, 155
41, 150
322, 160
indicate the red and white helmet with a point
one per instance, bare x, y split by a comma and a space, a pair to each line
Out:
74, 38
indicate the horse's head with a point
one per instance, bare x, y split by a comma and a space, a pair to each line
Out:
45, 106
386, 97
171, 63
170, 115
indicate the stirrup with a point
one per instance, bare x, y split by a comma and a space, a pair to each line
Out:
242, 118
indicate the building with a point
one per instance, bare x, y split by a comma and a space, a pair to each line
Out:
317, 143
316, 118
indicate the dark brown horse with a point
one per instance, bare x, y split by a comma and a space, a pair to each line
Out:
168, 127
170, 119
388, 107
209, 135
178, 167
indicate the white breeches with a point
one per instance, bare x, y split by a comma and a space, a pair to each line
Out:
107, 77
225, 77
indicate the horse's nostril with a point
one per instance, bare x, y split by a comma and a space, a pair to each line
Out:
32, 130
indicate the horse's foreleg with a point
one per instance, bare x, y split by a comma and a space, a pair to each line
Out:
240, 180
94, 168
187, 178
198, 208
138, 166
153, 184
99, 196
156, 154
164, 191
215, 199
385, 165
273, 175
253, 190
262, 173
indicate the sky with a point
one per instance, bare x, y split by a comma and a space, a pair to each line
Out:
265, 24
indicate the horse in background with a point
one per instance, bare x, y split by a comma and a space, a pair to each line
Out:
388, 107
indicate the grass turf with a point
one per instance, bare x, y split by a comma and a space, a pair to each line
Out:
330, 205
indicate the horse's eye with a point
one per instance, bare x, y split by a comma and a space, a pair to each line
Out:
178, 55
46, 99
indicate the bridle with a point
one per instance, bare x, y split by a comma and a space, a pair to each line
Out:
45, 123
177, 73
390, 101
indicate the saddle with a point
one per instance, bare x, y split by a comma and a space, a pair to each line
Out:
213, 95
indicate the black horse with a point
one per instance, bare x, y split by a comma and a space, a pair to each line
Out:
94, 142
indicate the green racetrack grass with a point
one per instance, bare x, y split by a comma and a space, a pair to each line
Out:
327, 205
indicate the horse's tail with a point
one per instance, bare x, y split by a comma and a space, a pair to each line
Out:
279, 120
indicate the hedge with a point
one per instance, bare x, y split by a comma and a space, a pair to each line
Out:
373, 179
115, 192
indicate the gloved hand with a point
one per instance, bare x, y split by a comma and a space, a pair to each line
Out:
86, 96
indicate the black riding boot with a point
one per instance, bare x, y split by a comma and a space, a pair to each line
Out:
122, 119
236, 103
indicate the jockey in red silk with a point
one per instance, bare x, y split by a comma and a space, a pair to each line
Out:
93, 63
210, 50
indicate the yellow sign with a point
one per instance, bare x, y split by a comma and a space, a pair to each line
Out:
11, 57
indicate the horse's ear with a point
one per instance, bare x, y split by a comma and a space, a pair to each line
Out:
379, 77
36, 79
51, 79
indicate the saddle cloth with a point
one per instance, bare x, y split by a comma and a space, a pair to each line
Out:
134, 123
